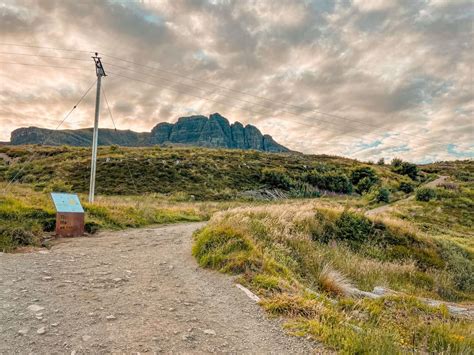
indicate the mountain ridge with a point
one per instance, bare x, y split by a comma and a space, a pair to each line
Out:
214, 131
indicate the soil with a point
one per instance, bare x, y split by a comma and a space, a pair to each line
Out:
132, 291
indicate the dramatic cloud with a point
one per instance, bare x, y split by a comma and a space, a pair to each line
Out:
365, 79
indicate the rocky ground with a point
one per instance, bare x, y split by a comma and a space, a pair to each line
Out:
127, 292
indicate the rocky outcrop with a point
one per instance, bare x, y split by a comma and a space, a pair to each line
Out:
213, 131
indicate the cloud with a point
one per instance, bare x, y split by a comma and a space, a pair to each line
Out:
394, 75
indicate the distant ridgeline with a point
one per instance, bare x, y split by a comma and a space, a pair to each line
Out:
202, 131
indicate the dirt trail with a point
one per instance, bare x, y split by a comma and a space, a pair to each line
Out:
385, 208
129, 291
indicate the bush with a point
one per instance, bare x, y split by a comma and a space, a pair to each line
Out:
364, 185
396, 162
304, 190
405, 168
383, 195
58, 186
406, 187
425, 194
91, 227
353, 228
381, 161
10, 238
276, 178
364, 172
364, 178
330, 181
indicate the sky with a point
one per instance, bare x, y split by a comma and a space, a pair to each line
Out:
366, 79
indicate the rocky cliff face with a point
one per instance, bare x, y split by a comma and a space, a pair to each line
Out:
213, 131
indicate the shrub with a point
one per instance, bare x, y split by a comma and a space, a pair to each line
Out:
364, 178
331, 181
353, 228
425, 194
276, 178
304, 190
364, 185
406, 187
381, 161
91, 227
10, 238
363, 172
396, 162
405, 168
58, 186
383, 195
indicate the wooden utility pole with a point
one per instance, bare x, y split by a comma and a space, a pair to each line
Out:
95, 135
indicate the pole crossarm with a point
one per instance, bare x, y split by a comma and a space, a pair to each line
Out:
99, 68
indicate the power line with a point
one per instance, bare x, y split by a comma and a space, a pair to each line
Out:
360, 129
221, 87
108, 107
257, 96
43, 56
43, 65
238, 107
48, 136
219, 102
252, 111
41, 47
126, 162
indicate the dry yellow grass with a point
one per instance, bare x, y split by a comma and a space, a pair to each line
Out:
334, 282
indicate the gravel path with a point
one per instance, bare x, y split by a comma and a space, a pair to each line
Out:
130, 291
389, 207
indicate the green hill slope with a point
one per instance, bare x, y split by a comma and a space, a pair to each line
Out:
197, 173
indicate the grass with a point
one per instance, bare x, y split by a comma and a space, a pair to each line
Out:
188, 173
26, 215
305, 257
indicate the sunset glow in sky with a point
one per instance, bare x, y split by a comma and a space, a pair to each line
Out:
393, 77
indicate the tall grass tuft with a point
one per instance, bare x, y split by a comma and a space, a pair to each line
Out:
334, 282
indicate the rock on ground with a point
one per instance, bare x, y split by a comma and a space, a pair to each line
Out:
163, 301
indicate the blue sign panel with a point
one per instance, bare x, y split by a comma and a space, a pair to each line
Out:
66, 202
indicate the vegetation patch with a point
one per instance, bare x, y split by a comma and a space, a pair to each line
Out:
305, 261
27, 217
187, 172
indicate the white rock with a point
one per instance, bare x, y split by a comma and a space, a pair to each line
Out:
54, 324
111, 317
35, 308
47, 278
41, 330
209, 331
23, 331
86, 337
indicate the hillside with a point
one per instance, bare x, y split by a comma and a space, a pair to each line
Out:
197, 173
215, 131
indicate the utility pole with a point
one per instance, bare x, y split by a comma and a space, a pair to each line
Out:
99, 69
